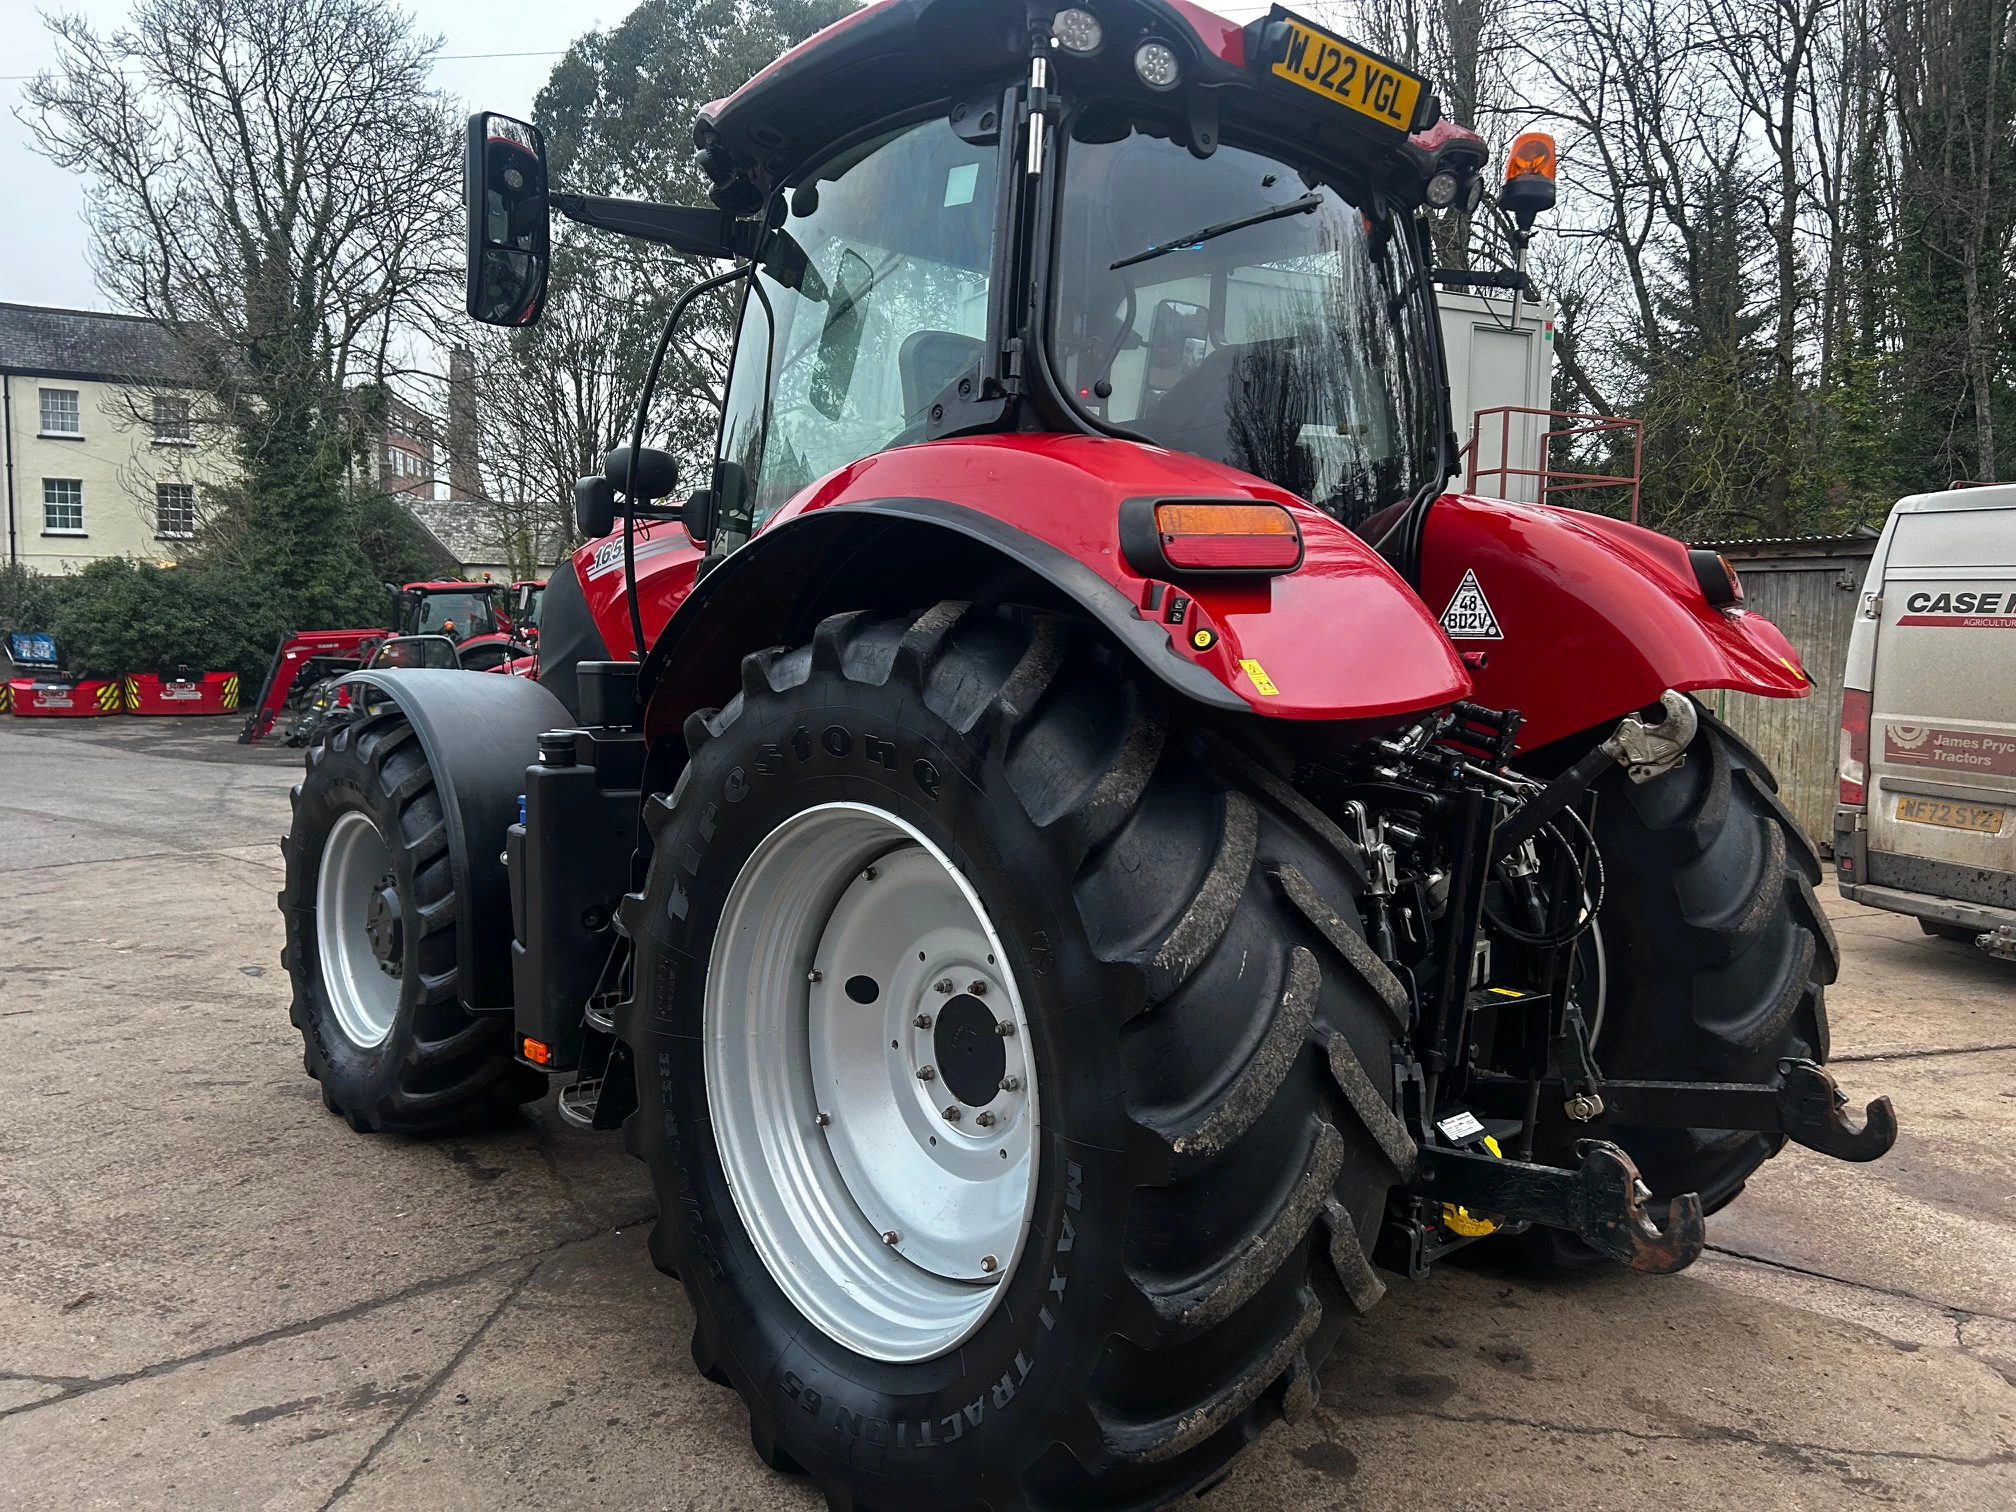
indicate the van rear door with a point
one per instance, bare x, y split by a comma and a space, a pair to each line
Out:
1942, 734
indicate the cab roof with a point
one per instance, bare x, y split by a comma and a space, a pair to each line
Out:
897, 55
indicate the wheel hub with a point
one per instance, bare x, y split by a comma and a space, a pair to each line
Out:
359, 932
971, 1055
384, 928
868, 1077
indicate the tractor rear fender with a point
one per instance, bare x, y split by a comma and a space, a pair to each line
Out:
479, 734
1339, 640
1581, 618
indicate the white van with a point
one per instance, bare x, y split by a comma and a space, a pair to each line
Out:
1927, 817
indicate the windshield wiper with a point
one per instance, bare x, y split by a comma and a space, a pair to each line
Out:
1302, 206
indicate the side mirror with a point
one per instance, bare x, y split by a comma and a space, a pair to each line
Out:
657, 473
698, 516
509, 236
594, 507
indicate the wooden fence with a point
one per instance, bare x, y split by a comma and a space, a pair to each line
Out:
1809, 587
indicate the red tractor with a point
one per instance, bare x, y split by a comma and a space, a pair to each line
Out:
473, 615
1070, 858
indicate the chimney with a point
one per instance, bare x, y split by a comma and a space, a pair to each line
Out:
464, 479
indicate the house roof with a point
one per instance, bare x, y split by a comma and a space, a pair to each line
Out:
471, 535
88, 345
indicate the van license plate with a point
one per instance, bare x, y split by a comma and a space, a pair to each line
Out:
1981, 818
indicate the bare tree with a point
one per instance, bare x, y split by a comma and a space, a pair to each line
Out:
276, 181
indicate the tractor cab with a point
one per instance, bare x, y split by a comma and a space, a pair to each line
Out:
461, 611
1130, 220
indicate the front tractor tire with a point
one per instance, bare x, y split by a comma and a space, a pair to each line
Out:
371, 950
1124, 1216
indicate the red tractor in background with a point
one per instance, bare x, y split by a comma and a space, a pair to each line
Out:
1070, 858
478, 617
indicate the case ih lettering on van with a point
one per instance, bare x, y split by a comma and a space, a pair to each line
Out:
1013, 850
1962, 609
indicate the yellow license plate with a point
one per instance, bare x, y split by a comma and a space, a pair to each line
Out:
1981, 818
1347, 75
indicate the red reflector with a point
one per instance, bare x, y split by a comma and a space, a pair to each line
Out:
1228, 537
1854, 747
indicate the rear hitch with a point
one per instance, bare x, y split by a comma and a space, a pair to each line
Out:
1804, 1104
1603, 1202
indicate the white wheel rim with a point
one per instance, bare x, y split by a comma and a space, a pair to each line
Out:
888, 1224
362, 993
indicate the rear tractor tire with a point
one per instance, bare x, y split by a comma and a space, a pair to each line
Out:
371, 950
1716, 960
1013, 1076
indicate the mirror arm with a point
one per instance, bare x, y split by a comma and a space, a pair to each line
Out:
703, 233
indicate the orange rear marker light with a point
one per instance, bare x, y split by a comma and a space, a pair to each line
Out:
1228, 537
537, 1051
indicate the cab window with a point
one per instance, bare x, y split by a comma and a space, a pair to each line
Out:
872, 299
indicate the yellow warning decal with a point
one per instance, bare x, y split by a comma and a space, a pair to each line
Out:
231, 691
108, 698
1505, 991
1262, 683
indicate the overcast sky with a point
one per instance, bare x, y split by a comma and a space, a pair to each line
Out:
42, 234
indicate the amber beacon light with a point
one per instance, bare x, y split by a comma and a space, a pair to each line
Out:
1530, 170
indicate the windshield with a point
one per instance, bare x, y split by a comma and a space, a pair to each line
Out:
878, 284
458, 614
1264, 315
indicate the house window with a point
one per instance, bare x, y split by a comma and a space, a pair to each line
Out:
61, 414
63, 506
171, 420
175, 509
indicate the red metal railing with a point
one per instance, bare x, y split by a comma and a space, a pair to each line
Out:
1552, 479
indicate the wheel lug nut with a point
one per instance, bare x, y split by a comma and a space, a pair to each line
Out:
925, 1073
989, 1264
942, 985
813, 976
952, 1114
1005, 1028
985, 1120
1011, 1084
977, 988
823, 1119
923, 1021
890, 1236
869, 874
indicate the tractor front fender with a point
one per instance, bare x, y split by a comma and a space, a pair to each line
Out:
1581, 618
478, 735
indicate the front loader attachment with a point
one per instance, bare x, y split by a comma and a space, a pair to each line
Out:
303, 658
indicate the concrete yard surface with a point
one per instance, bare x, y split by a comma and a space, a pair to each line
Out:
215, 1294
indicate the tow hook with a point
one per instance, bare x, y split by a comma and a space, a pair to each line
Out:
1603, 1201
1648, 751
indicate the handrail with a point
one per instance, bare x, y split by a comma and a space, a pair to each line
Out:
1553, 480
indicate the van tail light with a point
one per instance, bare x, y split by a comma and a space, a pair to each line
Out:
1854, 747
1183, 537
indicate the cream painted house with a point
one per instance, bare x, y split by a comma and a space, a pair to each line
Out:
104, 456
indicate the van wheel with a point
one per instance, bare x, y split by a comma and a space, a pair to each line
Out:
1717, 960
1014, 1080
